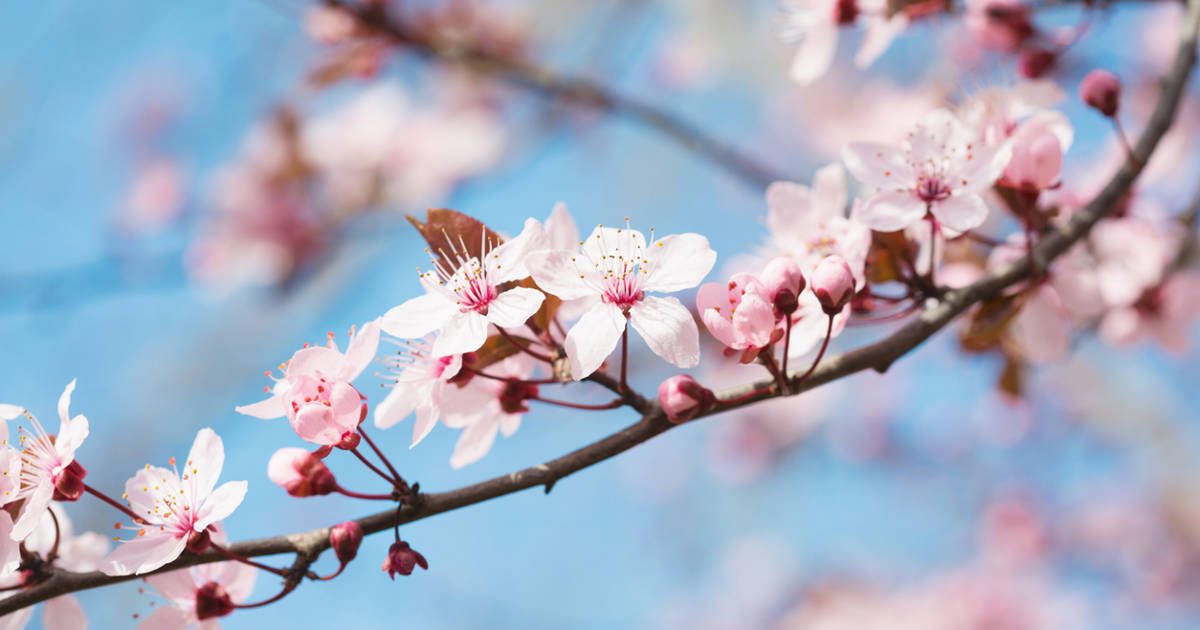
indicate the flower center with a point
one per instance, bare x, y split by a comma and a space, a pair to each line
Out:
475, 294
622, 291
931, 189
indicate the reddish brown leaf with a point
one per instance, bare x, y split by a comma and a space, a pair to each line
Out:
451, 234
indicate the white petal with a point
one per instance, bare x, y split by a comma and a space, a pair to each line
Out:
399, 402
678, 262
593, 338
474, 443
419, 316
829, 191
10, 412
465, 332
561, 231
10, 550
204, 462
427, 417
815, 55
876, 164
890, 211
64, 402
35, 506
960, 212
788, 205
880, 33
513, 307
143, 554
562, 273
668, 329
508, 260
166, 618
220, 504
607, 241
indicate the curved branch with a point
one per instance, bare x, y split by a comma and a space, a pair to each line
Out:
878, 356
574, 90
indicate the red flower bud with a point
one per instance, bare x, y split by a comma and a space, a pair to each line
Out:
833, 284
682, 398
1101, 90
345, 539
1035, 63
301, 473
68, 484
212, 601
402, 559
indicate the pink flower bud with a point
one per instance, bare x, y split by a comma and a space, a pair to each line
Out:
1101, 90
783, 281
682, 398
1036, 162
402, 559
345, 539
68, 484
301, 473
212, 601
833, 284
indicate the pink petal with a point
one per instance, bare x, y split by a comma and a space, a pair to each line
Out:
876, 164
361, 351
220, 504
419, 316
399, 402
177, 586
513, 307
166, 618
669, 330
10, 412
10, 550
272, 407
712, 302
880, 33
604, 241
815, 54
561, 231
64, 402
891, 211
315, 360
31, 513
788, 205
678, 262
593, 338
829, 191
961, 212
143, 554
509, 258
63, 613
427, 417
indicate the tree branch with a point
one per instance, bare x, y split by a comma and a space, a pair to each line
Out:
879, 356
574, 90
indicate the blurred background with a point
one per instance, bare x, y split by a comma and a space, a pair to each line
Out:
192, 190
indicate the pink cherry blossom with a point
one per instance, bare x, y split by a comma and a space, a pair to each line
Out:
1020, 115
807, 224
80, 553
178, 509
196, 596
460, 302
615, 269
421, 384
315, 392
815, 24
300, 473
485, 407
681, 398
1132, 253
833, 284
940, 170
739, 314
48, 466
1165, 313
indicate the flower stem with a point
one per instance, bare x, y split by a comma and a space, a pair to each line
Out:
53, 553
523, 348
624, 386
379, 453
247, 561
820, 354
366, 462
787, 342
573, 405
113, 502
509, 379
360, 495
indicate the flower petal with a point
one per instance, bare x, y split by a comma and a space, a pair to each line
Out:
960, 212
668, 329
166, 618
399, 402
593, 338
220, 504
64, 402
465, 332
475, 442
560, 228
877, 164
143, 554
513, 307
815, 54
678, 262
273, 407
508, 260
63, 613
889, 211
562, 273
10, 412
361, 351
204, 462
829, 191
419, 316
880, 33
35, 506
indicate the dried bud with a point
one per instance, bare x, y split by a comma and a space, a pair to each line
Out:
682, 398
833, 284
1101, 90
1035, 63
68, 484
783, 281
212, 601
345, 539
401, 559
301, 473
